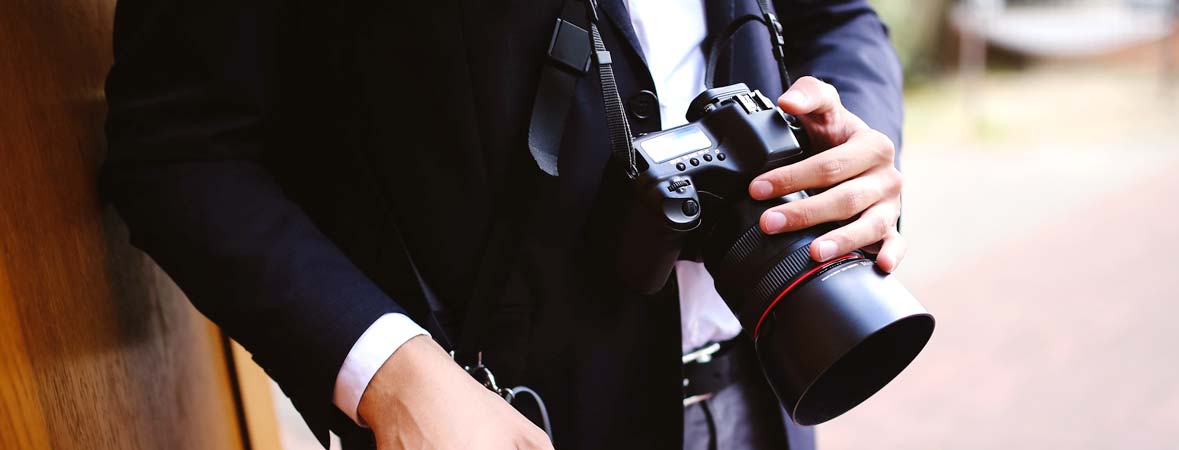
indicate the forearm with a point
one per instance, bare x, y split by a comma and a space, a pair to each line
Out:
190, 97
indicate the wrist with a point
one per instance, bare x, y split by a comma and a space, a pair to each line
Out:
393, 381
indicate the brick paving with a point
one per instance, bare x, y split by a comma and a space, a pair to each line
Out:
1050, 264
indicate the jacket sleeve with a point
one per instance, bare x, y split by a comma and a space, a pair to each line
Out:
189, 97
844, 43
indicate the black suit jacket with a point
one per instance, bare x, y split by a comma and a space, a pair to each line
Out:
262, 152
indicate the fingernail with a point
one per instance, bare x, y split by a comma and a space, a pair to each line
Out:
761, 189
826, 250
795, 97
775, 221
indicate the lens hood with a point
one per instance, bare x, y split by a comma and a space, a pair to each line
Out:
836, 339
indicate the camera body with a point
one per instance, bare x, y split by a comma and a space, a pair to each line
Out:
827, 335
688, 170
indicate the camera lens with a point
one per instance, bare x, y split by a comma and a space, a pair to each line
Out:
828, 335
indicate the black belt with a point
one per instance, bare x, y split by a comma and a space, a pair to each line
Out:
715, 367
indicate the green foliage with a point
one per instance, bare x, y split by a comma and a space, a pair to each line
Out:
918, 29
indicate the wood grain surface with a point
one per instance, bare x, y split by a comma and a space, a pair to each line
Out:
98, 349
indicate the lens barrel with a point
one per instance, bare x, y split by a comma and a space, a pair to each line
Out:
828, 335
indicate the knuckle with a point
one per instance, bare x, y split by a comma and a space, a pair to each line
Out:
803, 216
831, 171
878, 224
895, 238
855, 200
890, 146
783, 180
829, 91
885, 149
843, 240
896, 181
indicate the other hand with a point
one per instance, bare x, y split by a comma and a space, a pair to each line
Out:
856, 164
421, 399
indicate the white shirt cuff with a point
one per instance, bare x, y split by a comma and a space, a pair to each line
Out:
376, 345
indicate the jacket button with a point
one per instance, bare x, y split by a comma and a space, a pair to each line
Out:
643, 105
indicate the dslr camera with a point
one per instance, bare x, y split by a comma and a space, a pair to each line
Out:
828, 335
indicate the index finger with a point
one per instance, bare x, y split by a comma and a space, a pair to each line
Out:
862, 151
809, 96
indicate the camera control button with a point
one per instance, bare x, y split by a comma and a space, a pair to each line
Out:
680, 166
707, 157
691, 208
720, 156
694, 161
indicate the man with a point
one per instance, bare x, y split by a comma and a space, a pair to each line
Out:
290, 165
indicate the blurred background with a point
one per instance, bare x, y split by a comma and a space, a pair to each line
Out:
1041, 161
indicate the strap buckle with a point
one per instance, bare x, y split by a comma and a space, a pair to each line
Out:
569, 46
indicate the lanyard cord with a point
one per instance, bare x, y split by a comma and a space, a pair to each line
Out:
777, 41
621, 139
720, 42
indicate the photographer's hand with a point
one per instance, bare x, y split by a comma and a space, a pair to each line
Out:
857, 165
421, 399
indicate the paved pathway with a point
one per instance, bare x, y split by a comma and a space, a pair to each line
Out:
1051, 259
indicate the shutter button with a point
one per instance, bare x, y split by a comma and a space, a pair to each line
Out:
643, 105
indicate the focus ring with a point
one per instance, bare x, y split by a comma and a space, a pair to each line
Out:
787, 269
751, 240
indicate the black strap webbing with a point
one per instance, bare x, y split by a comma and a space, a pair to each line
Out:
621, 140
777, 41
569, 53
720, 42
568, 59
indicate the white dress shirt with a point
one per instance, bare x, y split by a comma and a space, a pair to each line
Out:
671, 34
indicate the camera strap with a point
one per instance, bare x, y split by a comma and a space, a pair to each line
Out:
621, 139
568, 59
720, 42
570, 49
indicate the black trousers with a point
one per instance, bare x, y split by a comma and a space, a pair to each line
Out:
743, 416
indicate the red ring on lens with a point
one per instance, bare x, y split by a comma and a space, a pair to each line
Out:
797, 281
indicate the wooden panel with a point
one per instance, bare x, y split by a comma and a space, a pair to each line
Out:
98, 350
257, 403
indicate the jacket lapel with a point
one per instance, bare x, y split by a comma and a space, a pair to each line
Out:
618, 14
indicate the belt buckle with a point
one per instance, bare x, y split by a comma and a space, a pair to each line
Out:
699, 356
696, 399
702, 355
